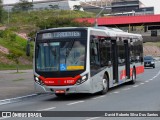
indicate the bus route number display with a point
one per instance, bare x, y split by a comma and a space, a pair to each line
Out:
57, 35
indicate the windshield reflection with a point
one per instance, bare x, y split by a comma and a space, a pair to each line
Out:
60, 56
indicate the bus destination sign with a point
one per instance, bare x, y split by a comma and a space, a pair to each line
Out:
57, 35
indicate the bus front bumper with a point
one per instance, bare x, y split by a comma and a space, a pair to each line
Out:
82, 88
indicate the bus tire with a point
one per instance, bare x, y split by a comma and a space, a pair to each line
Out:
60, 94
133, 81
105, 85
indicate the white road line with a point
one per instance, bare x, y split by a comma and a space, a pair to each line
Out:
93, 118
151, 79
99, 97
147, 81
154, 77
135, 85
11, 100
46, 109
142, 83
127, 89
75, 102
116, 92
1, 118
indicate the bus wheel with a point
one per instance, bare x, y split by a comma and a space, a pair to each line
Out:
60, 94
133, 81
105, 85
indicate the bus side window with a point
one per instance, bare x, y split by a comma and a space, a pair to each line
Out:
132, 58
105, 52
121, 53
94, 56
141, 51
138, 51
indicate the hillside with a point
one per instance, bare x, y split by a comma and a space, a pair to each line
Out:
152, 48
23, 24
12, 51
31, 21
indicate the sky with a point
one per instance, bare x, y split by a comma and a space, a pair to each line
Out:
155, 3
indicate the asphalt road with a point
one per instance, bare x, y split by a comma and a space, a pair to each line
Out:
13, 84
142, 96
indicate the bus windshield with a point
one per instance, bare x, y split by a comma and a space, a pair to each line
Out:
61, 56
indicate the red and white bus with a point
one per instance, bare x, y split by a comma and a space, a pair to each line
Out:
85, 59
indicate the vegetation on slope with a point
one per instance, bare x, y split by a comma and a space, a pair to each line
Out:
30, 22
16, 46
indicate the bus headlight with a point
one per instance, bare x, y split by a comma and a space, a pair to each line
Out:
82, 79
37, 80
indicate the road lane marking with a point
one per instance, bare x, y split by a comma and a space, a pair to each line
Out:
16, 99
147, 81
116, 92
1, 118
142, 83
46, 109
93, 118
151, 79
154, 77
75, 102
99, 97
135, 85
127, 89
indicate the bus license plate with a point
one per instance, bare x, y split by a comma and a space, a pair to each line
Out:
60, 91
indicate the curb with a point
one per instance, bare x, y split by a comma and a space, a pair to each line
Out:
17, 99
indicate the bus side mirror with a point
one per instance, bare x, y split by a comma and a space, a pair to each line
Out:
28, 49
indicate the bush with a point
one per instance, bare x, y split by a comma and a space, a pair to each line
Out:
61, 22
8, 35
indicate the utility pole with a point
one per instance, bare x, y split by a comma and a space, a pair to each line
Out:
32, 4
96, 19
8, 15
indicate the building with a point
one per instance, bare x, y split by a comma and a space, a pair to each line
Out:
48, 4
129, 7
117, 7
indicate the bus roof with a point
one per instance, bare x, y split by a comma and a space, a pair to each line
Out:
108, 31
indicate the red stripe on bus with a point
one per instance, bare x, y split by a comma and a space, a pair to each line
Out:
122, 74
139, 69
59, 81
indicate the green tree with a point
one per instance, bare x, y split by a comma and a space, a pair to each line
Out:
22, 5
54, 22
1, 11
15, 55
